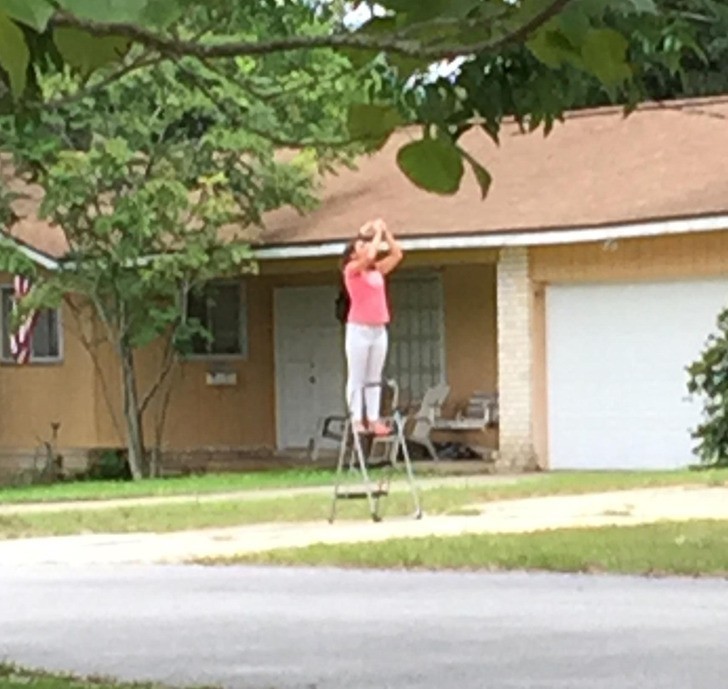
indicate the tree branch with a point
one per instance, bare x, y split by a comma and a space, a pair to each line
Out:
524, 32
275, 139
174, 47
144, 60
272, 95
169, 361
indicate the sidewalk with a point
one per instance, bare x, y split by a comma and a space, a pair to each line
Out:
621, 508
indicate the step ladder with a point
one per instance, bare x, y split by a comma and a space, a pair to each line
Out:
358, 452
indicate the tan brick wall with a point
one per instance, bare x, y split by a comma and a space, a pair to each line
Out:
515, 383
470, 343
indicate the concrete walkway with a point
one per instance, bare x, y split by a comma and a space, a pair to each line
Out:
621, 508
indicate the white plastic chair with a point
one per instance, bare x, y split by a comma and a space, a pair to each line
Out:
427, 417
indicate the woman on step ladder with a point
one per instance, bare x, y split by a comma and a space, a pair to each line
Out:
366, 261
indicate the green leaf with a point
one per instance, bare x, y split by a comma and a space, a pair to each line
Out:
604, 52
32, 13
434, 165
644, 6
372, 123
107, 11
573, 23
13, 260
552, 47
423, 10
407, 66
482, 176
85, 52
597, 8
14, 54
162, 13
377, 26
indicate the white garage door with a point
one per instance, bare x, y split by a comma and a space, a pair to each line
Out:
616, 358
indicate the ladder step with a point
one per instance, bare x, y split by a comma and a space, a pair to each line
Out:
378, 463
366, 433
359, 493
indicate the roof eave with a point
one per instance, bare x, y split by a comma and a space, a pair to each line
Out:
38, 257
451, 242
500, 240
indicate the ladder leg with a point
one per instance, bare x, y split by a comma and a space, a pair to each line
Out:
340, 468
401, 442
361, 459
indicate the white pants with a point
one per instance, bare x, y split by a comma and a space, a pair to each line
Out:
366, 350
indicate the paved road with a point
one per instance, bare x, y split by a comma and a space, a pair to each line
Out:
304, 629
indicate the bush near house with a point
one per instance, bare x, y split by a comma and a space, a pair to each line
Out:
709, 380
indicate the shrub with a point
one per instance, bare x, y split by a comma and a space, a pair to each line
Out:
109, 465
708, 378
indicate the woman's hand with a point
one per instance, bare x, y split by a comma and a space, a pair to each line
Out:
394, 255
373, 233
368, 245
380, 226
371, 237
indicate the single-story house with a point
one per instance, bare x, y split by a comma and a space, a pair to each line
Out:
578, 291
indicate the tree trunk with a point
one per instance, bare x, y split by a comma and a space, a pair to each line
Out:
132, 415
159, 424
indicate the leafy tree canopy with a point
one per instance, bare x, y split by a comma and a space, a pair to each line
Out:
528, 58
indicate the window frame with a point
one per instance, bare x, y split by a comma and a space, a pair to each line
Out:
243, 354
437, 278
34, 359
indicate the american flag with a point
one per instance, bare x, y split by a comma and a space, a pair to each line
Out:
20, 340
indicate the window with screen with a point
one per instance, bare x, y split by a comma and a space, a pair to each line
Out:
416, 357
221, 309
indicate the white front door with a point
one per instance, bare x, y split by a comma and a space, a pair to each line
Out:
309, 359
617, 396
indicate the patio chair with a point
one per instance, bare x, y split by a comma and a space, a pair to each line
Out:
427, 416
480, 413
329, 428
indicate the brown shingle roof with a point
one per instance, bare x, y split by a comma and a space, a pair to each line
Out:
597, 169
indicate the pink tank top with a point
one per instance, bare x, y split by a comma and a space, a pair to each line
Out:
367, 296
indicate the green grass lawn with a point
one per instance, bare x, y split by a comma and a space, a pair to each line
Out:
187, 485
164, 518
530, 484
12, 677
689, 548
573, 483
193, 486
167, 518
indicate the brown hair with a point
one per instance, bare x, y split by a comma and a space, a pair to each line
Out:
348, 250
